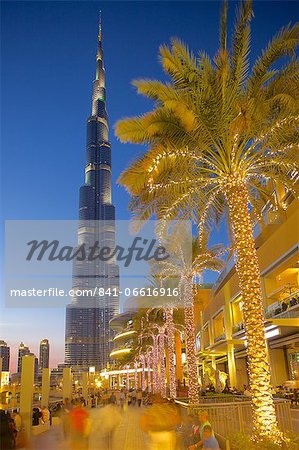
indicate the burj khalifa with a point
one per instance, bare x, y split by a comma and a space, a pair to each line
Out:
88, 339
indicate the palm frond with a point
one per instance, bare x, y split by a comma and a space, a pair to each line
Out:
241, 43
283, 44
223, 25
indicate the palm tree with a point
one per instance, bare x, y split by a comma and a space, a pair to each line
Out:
170, 327
221, 136
188, 268
164, 309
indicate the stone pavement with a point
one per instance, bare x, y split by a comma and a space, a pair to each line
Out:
127, 435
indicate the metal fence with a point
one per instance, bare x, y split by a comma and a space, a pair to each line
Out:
225, 398
234, 417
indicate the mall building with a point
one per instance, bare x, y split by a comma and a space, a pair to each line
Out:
221, 339
220, 335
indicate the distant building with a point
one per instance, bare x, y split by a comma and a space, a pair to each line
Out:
44, 353
57, 374
4, 381
23, 350
35, 367
5, 355
88, 338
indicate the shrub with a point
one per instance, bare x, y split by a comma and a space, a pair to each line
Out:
242, 441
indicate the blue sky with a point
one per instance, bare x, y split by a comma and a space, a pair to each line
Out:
48, 65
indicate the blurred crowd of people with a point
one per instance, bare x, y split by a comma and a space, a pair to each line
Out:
166, 427
10, 429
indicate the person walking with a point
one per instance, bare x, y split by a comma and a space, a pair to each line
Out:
160, 421
108, 419
134, 396
79, 427
122, 399
139, 397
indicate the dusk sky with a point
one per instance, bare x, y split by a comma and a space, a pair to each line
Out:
48, 65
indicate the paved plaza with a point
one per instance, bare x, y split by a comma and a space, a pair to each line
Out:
127, 435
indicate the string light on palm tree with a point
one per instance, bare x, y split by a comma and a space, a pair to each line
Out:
171, 350
155, 356
135, 375
189, 257
162, 385
127, 376
221, 136
148, 362
142, 361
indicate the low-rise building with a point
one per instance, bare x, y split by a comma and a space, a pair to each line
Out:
221, 337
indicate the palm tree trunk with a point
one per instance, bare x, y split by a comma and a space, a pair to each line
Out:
264, 417
155, 365
128, 377
193, 386
171, 351
149, 383
142, 360
135, 376
162, 363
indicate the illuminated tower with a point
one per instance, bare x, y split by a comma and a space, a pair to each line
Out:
44, 354
23, 350
5, 355
87, 337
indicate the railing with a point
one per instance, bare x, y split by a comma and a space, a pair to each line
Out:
234, 417
290, 313
221, 337
287, 308
238, 327
224, 398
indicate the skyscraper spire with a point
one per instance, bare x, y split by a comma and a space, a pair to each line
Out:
100, 28
99, 92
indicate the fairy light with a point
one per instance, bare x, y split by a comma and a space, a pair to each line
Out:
234, 188
128, 377
142, 360
235, 145
279, 124
174, 205
171, 351
161, 362
155, 364
135, 375
149, 384
264, 418
168, 154
155, 358
193, 385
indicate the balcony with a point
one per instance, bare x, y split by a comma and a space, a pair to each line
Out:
288, 308
129, 333
238, 327
120, 352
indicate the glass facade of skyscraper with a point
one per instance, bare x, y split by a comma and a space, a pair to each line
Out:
88, 337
